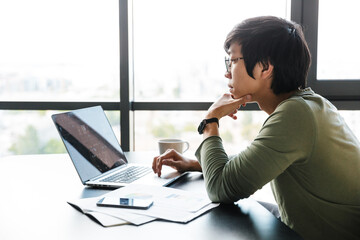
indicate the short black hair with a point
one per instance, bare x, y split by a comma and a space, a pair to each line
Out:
277, 41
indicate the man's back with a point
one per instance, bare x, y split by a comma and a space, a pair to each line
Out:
319, 196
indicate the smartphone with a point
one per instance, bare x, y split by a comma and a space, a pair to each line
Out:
125, 202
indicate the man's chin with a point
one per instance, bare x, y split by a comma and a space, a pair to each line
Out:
234, 96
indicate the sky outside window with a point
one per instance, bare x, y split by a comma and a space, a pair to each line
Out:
338, 40
178, 45
59, 50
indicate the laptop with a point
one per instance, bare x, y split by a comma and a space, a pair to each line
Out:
97, 155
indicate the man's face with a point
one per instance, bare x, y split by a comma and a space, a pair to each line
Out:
240, 83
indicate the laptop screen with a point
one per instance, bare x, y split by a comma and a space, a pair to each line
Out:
90, 141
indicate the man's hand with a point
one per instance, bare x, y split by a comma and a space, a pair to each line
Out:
175, 160
226, 106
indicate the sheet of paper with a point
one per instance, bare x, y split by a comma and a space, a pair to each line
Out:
169, 204
107, 220
89, 205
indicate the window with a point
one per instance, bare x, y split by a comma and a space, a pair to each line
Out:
151, 126
338, 47
333, 44
178, 45
59, 50
158, 63
33, 132
54, 55
179, 57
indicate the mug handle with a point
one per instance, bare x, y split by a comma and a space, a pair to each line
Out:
187, 146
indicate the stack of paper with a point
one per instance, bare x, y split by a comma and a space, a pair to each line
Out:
169, 204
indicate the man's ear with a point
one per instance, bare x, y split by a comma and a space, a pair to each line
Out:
267, 70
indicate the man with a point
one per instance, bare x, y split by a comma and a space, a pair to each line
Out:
305, 149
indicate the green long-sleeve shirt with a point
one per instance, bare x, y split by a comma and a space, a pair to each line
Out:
311, 158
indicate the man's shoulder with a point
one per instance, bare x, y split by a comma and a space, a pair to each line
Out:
295, 105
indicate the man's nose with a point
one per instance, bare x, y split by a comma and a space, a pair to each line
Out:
228, 75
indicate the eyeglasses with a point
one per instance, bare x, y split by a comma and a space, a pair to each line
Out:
229, 62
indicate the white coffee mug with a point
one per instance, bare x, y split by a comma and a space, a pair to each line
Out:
177, 144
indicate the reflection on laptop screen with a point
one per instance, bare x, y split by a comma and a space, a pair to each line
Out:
90, 140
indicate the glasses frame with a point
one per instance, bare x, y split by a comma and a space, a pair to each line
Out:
229, 62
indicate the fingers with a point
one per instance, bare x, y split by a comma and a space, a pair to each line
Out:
243, 100
232, 115
236, 103
160, 160
172, 163
154, 163
159, 166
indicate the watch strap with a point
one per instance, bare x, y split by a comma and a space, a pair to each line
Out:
204, 122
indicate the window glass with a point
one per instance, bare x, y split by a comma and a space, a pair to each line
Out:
59, 50
152, 126
352, 120
338, 40
178, 45
33, 132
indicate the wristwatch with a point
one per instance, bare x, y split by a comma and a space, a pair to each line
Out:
203, 123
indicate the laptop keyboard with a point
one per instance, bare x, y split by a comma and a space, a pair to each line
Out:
129, 175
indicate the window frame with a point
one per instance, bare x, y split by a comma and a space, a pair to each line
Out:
342, 93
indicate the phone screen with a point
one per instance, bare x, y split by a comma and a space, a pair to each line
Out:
125, 202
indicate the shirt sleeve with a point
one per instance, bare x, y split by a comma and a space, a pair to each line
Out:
286, 139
